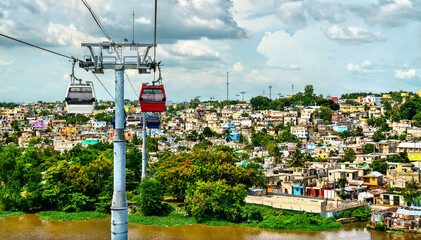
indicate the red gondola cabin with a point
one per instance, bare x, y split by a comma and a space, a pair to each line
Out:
152, 98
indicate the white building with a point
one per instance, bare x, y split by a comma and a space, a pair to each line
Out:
371, 99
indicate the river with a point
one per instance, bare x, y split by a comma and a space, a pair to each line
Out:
29, 226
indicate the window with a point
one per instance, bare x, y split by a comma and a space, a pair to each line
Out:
152, 95
80, 93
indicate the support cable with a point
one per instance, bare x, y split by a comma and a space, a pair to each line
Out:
44, 49
134, 91
97, 20
103, 86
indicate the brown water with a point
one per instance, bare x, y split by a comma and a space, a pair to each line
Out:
29, 226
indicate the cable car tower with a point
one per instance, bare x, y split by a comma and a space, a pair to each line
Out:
97, 63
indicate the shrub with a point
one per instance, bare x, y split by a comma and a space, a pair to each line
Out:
249, 215
215, 199
151, 197
380, 227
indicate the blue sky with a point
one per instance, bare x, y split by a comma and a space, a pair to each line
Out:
337, 46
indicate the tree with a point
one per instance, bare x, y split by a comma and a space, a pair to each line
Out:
297, 159
379, 165
402, 157
259, 102
275, 152
309, 91
194, 103
349, 155
358, 131
342, 182
325, 113
151, 197
215, 199
278, 127
369, 148
411, 192
191, 137
178, 171
207, 132
378, 136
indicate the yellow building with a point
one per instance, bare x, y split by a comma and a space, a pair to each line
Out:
414, 156
351, 109
387, 97
322, 155
373, 179
419, 93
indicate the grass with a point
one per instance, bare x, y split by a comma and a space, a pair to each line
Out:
10, 214
395, 232
288, 220
64, 216
174, 219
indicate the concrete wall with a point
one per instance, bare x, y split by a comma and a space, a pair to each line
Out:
290, 203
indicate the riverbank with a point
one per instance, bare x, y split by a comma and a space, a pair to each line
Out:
65, 216
254, 216
29, 226
9, 213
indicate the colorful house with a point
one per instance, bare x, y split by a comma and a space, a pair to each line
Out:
373, 179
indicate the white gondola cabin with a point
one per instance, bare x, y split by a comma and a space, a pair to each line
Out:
80, 98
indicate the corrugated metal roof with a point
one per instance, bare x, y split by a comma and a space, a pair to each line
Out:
408, 212
409, 145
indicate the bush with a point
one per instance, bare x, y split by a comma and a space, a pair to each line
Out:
249, 214
215, 199
151, 197
380, 227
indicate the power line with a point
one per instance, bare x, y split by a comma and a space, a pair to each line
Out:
44, 49
97, 20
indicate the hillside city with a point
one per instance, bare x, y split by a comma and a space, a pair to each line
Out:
319, 154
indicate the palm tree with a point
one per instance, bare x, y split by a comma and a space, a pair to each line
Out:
342, 182
275, 152
297, 159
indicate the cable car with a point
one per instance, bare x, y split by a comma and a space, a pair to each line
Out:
152, 98
80, 98
153, 122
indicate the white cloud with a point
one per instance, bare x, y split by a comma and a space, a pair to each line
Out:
238, 67
390, 13
143, 20
293, 67
292, 14
405, 74
365, 67
352, 35
192, 49
68, 36
4, 63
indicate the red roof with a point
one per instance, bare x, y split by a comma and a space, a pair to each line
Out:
335, 99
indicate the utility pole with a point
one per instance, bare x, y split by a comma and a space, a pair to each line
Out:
95, 63
144, 150
242, 93
227, 85
270, 92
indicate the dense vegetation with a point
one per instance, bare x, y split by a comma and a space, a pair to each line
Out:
176, 172
308, 98
250, 216
77, 180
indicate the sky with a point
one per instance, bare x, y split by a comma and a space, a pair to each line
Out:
336, 46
